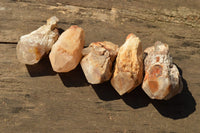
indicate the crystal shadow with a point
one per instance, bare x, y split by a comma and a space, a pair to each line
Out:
42, 68
180, 106
74, 78
105, 91
136, 98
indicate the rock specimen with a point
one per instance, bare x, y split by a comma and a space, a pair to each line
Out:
32, 47
128, 71
98, 60
66, 52
162, 79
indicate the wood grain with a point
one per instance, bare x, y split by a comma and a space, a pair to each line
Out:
36, 99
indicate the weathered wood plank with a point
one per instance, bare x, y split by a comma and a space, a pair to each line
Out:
25, 16
48, 102
36, 99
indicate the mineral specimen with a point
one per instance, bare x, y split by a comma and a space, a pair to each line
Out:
162, 79
98, 60
32, 47
66, 52
128, 71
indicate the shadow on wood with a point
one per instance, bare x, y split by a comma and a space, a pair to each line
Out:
74, 78
60, 30
105, 91
180, 106
136, 98
42, 68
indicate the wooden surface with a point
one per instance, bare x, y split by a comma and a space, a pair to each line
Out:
36, 99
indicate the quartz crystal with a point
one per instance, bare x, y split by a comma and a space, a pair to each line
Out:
97, 61
66, 52
32, 47
162, 79
128, 71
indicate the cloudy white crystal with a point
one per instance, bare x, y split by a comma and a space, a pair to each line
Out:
32, 47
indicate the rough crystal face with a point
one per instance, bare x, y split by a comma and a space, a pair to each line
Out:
162, 79
66, 52
97, 61
128, 71
32, 47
